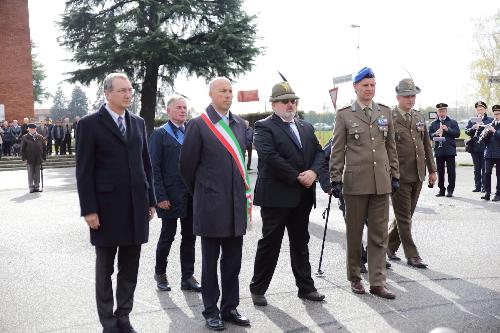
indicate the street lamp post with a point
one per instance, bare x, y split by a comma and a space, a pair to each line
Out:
358, 27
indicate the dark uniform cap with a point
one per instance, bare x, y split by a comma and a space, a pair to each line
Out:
441, 105
282, 91
365, 72
480, 103
407, 87
495, 108
31, 126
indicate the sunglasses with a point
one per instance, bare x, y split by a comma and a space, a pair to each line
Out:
286, 101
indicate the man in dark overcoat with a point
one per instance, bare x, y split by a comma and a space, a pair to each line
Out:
290, 161
33, 153
115, 187
174, 201
445, 151
492, 154
216, 180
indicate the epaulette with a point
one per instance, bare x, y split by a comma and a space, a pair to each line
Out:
344, 108
383, 105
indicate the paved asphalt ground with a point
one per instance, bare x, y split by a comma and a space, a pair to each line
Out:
47, 270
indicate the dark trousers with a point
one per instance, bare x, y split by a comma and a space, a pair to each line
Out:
450, 169
230, 264
57, 145
66, 145
274, 221
126, 280
249, 157
167, 235
49, 146
6, 146
487, 175
478, 160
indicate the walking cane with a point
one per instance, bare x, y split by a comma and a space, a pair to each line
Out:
41, 173
327, 213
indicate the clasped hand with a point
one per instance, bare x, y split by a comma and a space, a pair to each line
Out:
307, 178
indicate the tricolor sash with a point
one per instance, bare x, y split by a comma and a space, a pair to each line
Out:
226, 136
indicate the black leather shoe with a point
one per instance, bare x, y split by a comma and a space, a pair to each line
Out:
476, 190
259, 300
110, 330
191, 284
388, 264
449, 194
486, 197
416, 262
162, 282
38, 190
362, 269
124, 325
215, 324
312, 296
392, 256
496, 198
32, 190
236, 318
440, 194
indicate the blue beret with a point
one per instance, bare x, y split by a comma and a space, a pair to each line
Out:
365, 72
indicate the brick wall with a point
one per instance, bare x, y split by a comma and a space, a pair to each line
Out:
16, 86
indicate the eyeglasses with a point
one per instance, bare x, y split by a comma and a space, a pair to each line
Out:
286, 101
125, 91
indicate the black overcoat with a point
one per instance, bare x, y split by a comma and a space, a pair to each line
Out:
281, 161
165, 151
114, 178
212, 176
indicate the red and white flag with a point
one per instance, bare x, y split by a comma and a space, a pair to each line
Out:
248, 96
333, 95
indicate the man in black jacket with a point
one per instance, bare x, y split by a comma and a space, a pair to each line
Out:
290, 161
443, 131
115, 187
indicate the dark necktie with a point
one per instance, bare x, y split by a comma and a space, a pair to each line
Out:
407, 116
294, 136
120, 125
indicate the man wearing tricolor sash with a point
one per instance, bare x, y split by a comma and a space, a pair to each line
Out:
290, 159
212, 166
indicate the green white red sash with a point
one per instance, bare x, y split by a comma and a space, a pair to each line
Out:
226, 136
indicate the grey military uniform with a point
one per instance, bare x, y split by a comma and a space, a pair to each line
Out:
364, 159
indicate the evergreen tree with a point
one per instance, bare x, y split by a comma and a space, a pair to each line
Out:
153, 41
38, 74
79, 104
59, 108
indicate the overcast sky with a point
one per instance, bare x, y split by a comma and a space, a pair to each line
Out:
310, 42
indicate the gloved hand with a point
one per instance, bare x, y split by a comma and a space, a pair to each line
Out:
394, 185
337, 189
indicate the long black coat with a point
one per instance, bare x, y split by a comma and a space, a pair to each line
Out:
281, 161
448, 147
168, 184
212, 176
493, 144
114, 178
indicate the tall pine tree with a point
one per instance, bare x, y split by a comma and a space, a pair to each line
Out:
79, 104
153, 41
59, 109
